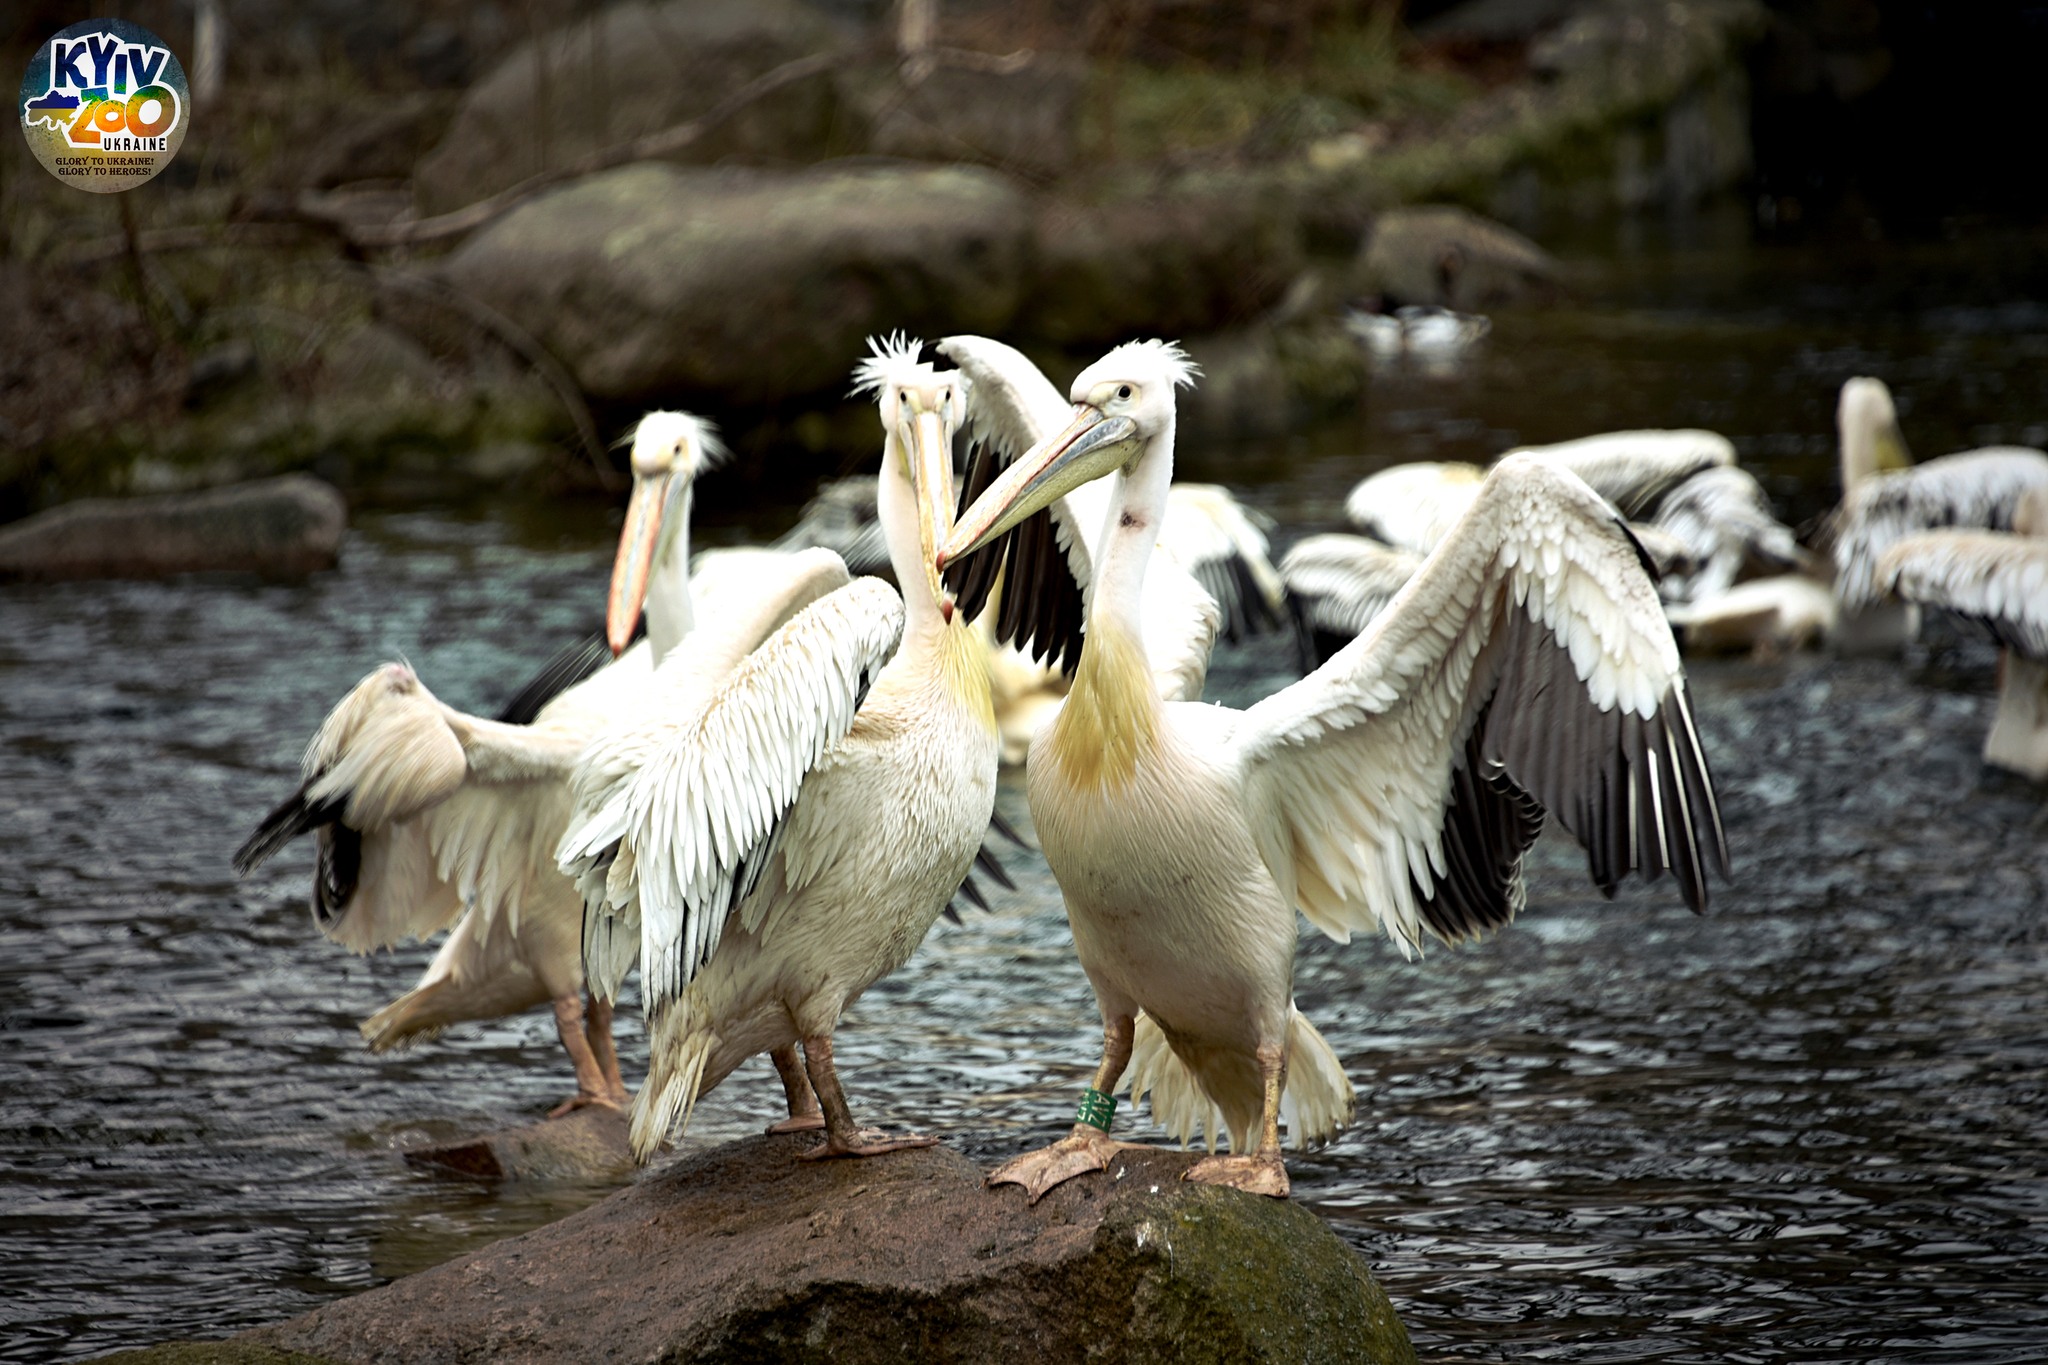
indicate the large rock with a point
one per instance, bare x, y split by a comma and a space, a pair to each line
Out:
743, 1253
1442, 255
283, 526
749, 286
627, 71
1024, 121
1159, 265
587, 1144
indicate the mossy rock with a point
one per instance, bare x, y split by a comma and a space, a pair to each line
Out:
743, 1253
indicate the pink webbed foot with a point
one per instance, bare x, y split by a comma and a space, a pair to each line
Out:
584, 1101
1075, 1154
797, 1123
1254, 1173
868, 1142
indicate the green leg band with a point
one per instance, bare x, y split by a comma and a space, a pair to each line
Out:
1097, 1109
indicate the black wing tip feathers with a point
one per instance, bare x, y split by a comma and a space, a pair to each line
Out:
571, 665
292, 817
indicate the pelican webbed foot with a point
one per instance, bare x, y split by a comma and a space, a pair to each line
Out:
797, 1123
842, 1136
1254, 1173
1085, 1149
581, 1100
866, 1142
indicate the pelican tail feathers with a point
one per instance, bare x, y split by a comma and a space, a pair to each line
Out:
1317, 1102
679, 1049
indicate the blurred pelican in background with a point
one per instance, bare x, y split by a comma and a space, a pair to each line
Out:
2000, 581
1886, 497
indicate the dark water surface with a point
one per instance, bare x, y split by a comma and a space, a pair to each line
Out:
1807, 1126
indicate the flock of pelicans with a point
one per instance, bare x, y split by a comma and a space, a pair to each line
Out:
767, 801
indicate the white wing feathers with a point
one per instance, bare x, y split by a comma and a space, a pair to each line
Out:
423, 812
1211, 534
1724, 520
1527, 665
1635, 469
1989, 576
1978, 488
677, 821
1341, 582
1413, 506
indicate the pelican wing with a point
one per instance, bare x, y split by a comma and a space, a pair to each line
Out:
1339, 583
1998, 579
1413, 506
1724, 521
1045, 564
842, 517
1223, 546
1526, 667
1042, 565
1634, 470
680, 815
422, 812
1976, 489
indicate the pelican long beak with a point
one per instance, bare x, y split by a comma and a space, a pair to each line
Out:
1091, 446
635, 560
931, 469
1892, 452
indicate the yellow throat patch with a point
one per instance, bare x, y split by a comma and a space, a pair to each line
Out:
1111, 716
963, 670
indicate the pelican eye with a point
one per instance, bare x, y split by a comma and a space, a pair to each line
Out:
1123, 390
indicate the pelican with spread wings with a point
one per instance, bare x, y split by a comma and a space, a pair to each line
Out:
1526, 667
425, 816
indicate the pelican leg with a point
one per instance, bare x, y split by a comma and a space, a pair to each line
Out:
590, 1079
804, 1113
1259, 1171
1087, 1148
842, 1137
597, 1031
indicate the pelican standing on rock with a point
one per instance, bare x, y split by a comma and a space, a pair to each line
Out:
424, 813
777, 837
1525, 667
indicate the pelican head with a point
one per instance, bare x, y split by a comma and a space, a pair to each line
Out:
670, 449
1122, 404
1868, 427
921, 407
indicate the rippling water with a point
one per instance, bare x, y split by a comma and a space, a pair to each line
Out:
1808, 1125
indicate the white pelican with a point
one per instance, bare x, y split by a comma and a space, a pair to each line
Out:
424, 814
1525, 667
772, 842
1886, 497
2001, 581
